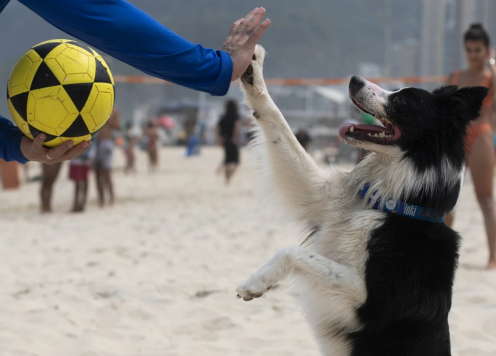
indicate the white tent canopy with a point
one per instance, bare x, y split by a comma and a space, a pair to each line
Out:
334, 95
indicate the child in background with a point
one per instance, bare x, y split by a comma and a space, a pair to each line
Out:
79, 170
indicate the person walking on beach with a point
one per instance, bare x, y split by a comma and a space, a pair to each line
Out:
228, 137
130, 140
479, 142
50, 173
103, 159
134, 37
151, 147
79, 170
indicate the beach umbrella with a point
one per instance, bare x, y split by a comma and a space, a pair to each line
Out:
165, 121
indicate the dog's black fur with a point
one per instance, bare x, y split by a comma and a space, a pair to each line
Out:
372, 283
411, 264
409, 276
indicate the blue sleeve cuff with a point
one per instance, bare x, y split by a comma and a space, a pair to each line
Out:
223, 82
15, 148
10, 142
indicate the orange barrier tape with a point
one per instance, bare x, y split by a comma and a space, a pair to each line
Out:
295, 81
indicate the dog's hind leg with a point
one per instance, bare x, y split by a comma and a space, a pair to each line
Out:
318, 270
301, 183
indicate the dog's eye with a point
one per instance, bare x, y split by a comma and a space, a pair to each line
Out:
399, 100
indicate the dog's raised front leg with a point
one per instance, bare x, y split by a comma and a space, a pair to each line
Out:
320, 270
300, 181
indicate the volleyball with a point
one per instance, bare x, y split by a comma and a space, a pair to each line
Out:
63, 89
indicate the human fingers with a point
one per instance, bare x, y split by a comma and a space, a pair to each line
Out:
57, 152
75, 151
257, 33
234, 27
33, 150
250, 14
245, 22
256, 16
37, 145
251, 21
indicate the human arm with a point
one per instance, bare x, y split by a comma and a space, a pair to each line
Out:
10, 142
492, 68
132, 36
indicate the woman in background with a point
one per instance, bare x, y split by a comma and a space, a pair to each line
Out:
480, 158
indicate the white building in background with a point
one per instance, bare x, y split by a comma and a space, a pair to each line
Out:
369, 70
404, 58
432, 37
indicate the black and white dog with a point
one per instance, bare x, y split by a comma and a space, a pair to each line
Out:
375, 274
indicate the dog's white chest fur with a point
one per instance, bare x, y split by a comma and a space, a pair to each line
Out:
343, 238
329, 271
365, 279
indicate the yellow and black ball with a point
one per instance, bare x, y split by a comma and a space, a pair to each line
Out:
61, 88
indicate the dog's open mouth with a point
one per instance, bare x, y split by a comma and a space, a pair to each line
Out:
383, 135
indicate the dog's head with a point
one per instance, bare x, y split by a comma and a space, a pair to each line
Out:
423, 125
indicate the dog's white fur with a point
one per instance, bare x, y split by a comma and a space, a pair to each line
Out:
328, 271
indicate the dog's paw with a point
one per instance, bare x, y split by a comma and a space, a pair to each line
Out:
252, 77
253, 287
247, 77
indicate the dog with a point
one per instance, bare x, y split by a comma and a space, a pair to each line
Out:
375, 274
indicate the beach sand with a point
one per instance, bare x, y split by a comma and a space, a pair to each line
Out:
156, 273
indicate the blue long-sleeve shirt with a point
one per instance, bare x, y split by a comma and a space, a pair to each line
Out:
123, 31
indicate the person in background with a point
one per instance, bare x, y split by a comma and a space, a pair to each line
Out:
151, 148
104, 143
50, 173
303, 138
130, 141
247, 130
480, 158
130, 35
79, 170
228, 130
191, 130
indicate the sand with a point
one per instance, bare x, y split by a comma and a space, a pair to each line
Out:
155, 274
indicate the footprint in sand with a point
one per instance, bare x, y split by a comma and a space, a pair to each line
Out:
218, 324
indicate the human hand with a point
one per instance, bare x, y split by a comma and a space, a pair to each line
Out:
35, 151
242, 39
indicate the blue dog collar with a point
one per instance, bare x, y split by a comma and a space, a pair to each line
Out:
404, 209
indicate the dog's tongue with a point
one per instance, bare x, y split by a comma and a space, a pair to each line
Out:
344, 129
373, 129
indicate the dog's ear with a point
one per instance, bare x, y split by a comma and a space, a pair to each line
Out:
466, 102
445, 90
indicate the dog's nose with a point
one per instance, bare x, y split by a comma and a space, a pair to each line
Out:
356, 83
